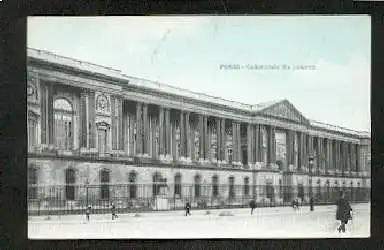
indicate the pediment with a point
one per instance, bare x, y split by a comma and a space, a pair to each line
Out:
284, 110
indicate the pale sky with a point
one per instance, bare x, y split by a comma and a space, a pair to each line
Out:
187, 52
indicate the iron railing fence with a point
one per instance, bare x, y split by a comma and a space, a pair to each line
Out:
74, 199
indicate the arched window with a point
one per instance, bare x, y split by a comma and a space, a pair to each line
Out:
156, 183
177, 184
63, 118
197, 185
132, 184
32, 182
231, 191
70, 179
104, 179
246, 186
215, 186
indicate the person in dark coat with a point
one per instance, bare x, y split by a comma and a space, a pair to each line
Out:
295, 203
252, 205
88, 212
187, 209
343, 212
113, 210
311, 204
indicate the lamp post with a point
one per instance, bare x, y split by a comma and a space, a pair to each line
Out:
311, 157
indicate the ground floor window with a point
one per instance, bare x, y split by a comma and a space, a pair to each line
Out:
270, 192
32, 182
132, 185
104, 179
197, 186
178, 185
231, 182
215, 186
70, 179
246, 186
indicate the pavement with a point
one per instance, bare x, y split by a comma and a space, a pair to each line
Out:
267, 222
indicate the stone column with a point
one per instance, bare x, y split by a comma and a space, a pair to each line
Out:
146, 129
239, 144
188, 134
249, 144
209, 139
288, 147
329, 160
300, 151
168, 136
182, 136
139, 138
261, 144
305, 161
51, 127
234, 145
131, 135
339, 161
359, 168
173, 139
193, 137
353, 157
346, 156
120, 124
206, 146
318, 154
161, 133
295, 145
273, 131
126, 131
223, 141
153, 137
83, 116
201, 137
92, 120
218, 139
257, 143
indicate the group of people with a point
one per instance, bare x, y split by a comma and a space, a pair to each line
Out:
113, 211
343, 211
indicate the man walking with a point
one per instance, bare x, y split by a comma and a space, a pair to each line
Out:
343, 212
187, 209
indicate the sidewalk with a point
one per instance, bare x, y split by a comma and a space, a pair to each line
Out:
264, 211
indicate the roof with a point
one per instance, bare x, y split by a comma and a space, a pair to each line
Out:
110, 72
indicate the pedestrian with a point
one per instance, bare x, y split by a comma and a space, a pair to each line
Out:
295, 204
343, 212
187, 209
88, 212
252, 205
311, 204
113, 210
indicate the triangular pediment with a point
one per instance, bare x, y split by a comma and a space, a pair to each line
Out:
284, 110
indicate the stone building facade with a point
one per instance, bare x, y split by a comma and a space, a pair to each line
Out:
91, 125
